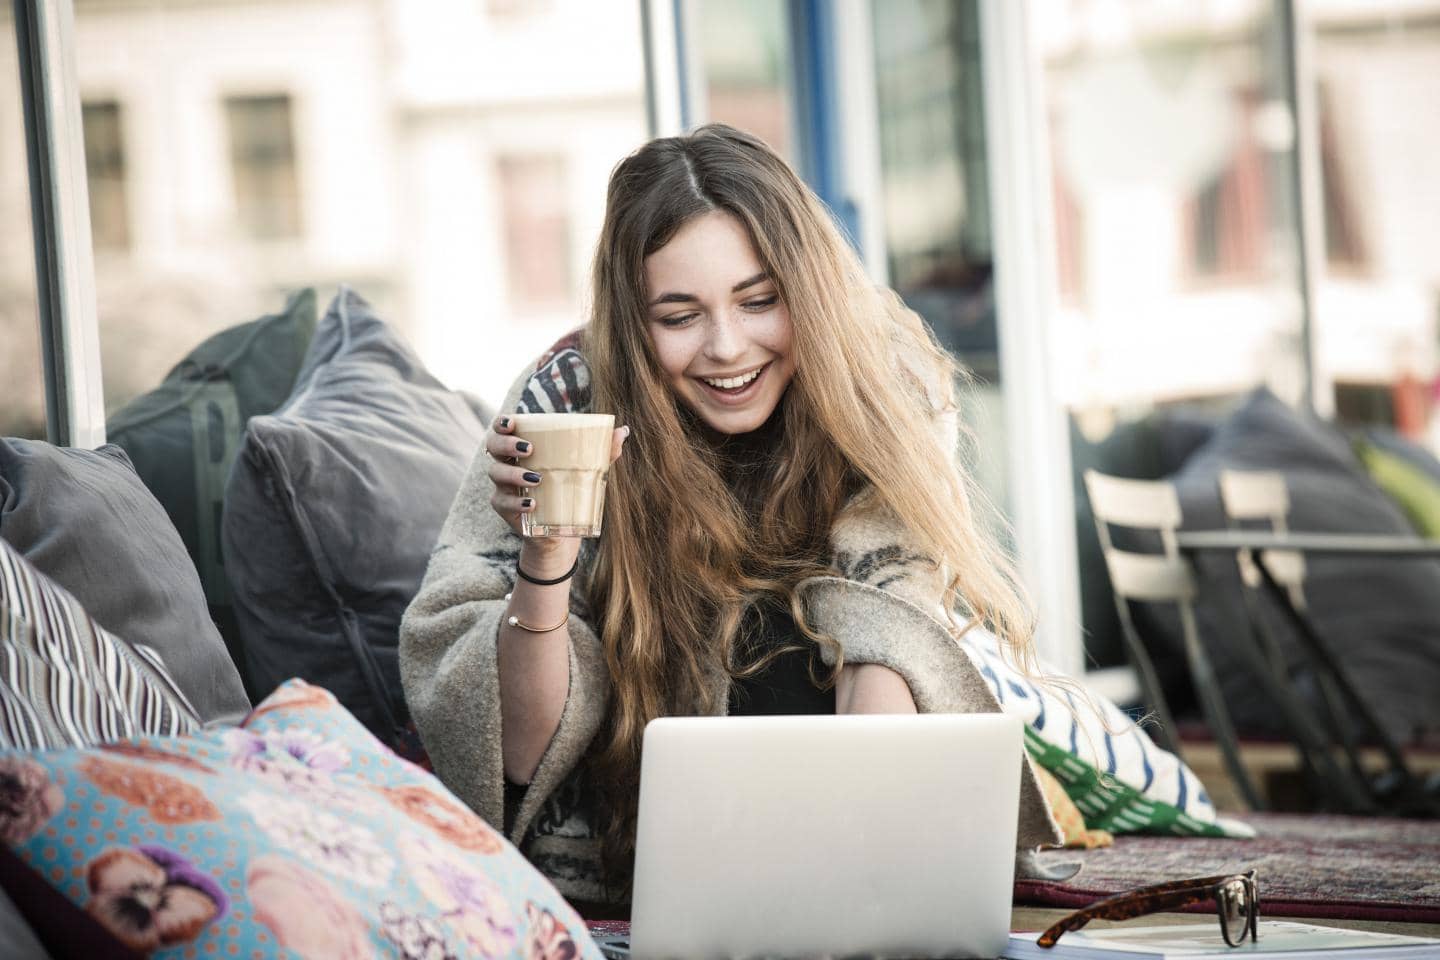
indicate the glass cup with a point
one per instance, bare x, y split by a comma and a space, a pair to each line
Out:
571, 452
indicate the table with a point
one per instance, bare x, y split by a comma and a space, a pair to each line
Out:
1335, 684
1332, 544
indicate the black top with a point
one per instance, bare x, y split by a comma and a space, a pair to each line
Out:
784, 685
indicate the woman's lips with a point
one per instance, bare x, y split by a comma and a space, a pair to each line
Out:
734, 397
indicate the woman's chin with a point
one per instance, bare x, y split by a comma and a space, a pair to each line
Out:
733, 422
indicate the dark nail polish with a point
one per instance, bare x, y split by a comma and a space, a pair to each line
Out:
504, 422
532, 478
523, 446
526, 503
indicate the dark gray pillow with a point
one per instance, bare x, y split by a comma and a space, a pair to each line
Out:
333, 507
182, 436
84, 519
1382, 616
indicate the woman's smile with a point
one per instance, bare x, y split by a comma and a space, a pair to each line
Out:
735, 389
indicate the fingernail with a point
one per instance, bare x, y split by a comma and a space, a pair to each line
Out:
526, 503
532, 478
627, 432
505, 422
523, 446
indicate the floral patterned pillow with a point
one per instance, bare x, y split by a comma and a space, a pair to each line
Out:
296, 834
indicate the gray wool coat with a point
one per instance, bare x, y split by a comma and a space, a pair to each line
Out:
884, 608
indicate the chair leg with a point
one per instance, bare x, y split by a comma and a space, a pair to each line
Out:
1332, 714
1217, 717
1329, 667
1301, 723
1164, 730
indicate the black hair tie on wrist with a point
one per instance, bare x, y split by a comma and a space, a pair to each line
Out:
546, 583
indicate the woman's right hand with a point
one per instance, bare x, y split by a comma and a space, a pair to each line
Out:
509, 473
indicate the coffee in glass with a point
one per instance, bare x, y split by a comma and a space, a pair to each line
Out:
571, 452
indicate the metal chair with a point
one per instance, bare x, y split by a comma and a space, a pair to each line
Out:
1263, 497
1163, 577
1168, 577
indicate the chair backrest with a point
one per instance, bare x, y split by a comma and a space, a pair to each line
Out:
1140, 505
1261, 495
1255, 495
1144, 577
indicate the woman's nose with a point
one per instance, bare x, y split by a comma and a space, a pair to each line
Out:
726, 342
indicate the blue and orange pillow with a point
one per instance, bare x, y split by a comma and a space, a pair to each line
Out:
294, 834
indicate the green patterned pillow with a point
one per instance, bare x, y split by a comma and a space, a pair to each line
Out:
1109, 804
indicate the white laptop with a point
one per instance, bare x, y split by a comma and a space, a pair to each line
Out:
825, 835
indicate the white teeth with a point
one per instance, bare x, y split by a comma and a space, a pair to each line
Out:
730, 383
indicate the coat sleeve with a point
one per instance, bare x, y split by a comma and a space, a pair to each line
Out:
448, 658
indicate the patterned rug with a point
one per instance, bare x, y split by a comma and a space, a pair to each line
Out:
1346, 868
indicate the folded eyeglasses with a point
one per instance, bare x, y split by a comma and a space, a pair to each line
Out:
1236, 896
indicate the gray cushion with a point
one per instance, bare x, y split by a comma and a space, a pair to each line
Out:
84, 519
1383, 616
182, 436
333, 507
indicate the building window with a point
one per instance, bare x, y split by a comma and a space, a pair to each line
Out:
1344, 239
537, 230
262, 158
1229, 218
103, 126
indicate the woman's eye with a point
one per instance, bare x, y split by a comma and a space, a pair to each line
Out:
678, 321
764, 303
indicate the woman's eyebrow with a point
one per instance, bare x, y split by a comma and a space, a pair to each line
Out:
692, 298
674, 298
759, 277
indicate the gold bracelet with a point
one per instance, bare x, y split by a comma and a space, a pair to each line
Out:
515, 622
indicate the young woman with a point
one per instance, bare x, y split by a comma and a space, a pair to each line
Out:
786, 530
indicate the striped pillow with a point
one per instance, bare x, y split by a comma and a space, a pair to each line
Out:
65, 681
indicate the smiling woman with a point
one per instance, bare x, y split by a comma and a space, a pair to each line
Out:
786, 529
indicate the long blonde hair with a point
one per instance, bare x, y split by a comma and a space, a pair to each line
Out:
685, 552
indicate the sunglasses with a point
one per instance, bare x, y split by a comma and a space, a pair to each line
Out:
1236, 896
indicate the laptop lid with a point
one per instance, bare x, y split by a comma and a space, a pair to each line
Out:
797, 836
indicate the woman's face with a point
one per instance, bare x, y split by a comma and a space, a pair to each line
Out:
721, 332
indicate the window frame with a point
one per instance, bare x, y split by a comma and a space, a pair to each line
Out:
60, 216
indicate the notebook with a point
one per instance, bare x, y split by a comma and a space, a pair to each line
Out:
1277, 940
827, 835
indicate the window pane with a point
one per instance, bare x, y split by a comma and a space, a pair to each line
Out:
22, 385
744, 46
268, 146
936, 198
936, 185
1378, 300
1172, 136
